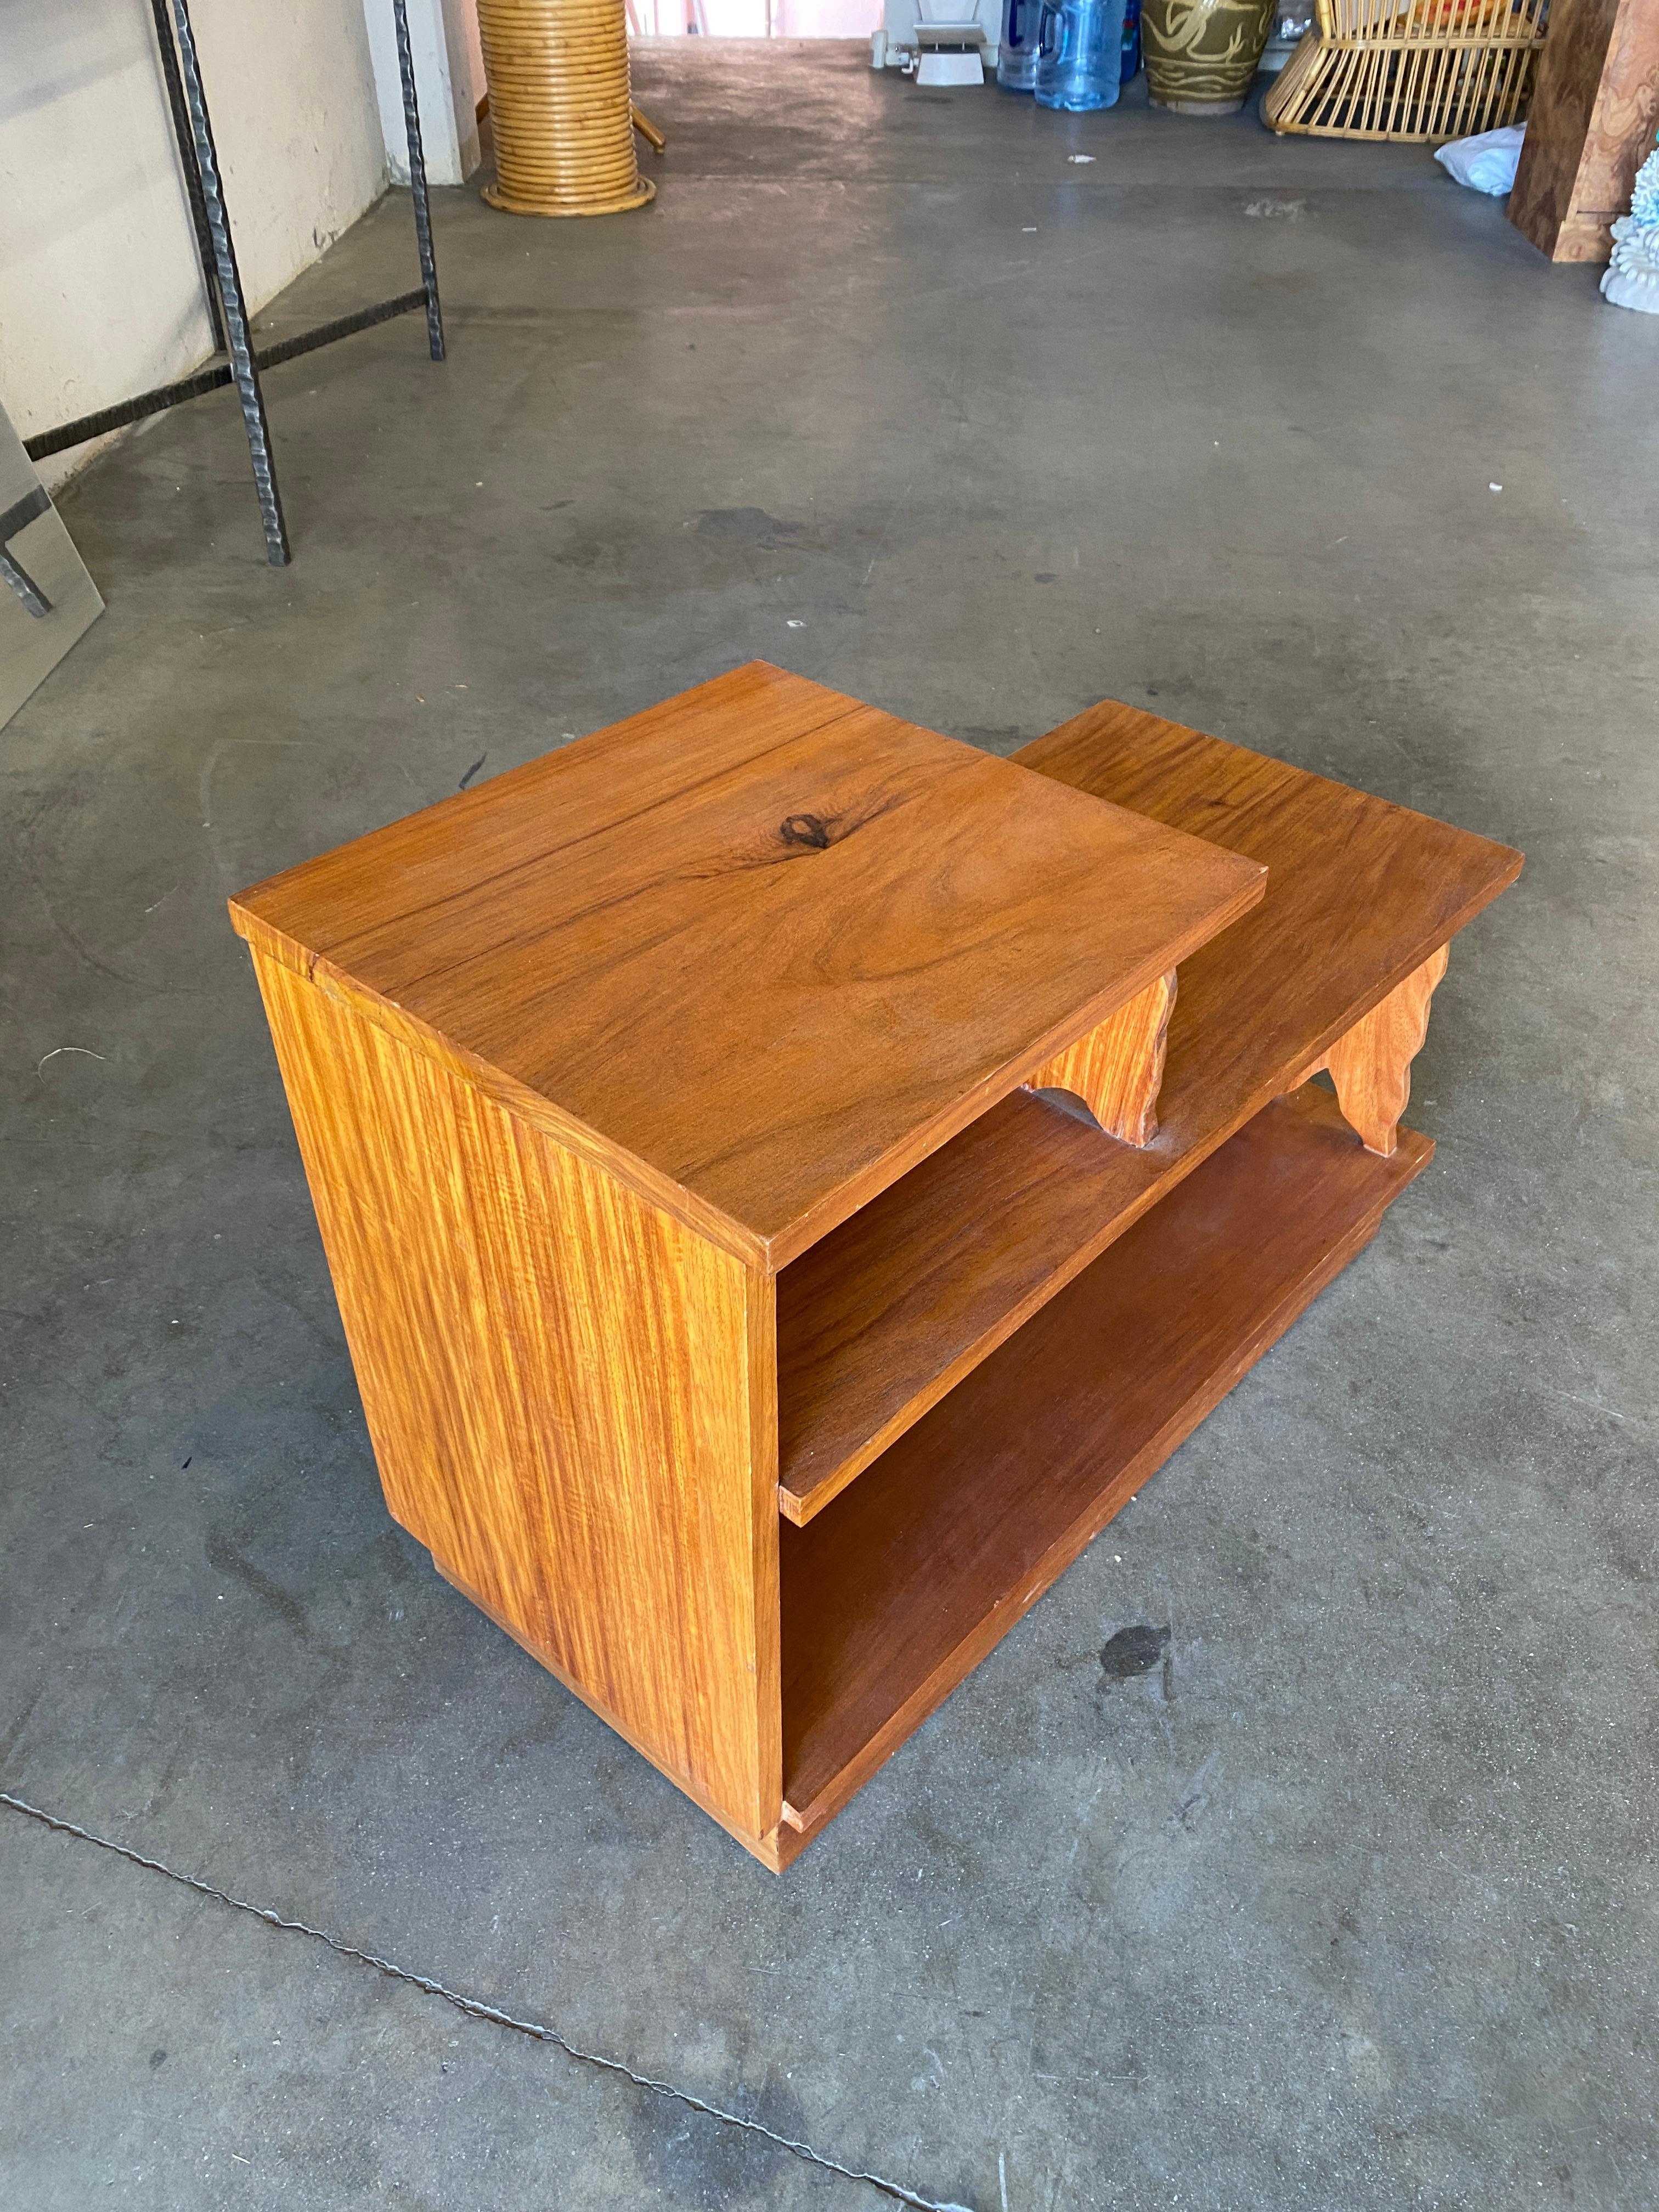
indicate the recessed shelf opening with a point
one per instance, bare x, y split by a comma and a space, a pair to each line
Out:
896, 1588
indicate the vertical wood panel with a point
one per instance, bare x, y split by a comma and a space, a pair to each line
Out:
571, 1395
1371, 1065
1590, 125
1116, 1069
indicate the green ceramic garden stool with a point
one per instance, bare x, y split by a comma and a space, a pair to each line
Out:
1201, 54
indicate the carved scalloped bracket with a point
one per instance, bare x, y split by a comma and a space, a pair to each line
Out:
1116, 1069
1371, 1063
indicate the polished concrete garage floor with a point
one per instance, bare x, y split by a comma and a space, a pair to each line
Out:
1351, 1909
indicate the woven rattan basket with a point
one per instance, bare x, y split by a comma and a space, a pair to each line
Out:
559, 104
1409, 69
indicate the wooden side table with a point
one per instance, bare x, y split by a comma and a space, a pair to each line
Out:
788, 1177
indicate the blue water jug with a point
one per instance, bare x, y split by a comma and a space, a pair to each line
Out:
1017, 54
1079, 54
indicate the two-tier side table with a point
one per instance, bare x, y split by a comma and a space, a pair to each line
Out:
789, 1178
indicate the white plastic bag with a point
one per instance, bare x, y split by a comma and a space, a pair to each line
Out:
1486, 163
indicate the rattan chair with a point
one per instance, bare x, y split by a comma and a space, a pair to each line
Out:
1409, 69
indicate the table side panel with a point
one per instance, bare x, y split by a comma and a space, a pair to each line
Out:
571, 1395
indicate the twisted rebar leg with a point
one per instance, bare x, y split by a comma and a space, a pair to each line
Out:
243, 368
434, 320
188, 163
29, 508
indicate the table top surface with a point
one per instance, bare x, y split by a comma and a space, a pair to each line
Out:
764, 946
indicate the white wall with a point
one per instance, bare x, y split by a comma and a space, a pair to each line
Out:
100, 289
449, 82
474, 45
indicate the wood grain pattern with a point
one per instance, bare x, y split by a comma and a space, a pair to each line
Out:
1359, 893
561, 117
883, 1317
1371, 1064
1115, 1070
756, 952
1590, 126
589, 1388
571, 1396
897, 1592
877, 1323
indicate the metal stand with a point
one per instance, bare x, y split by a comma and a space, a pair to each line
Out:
434, 321
29, 508
185, 140
243, 366
227, 307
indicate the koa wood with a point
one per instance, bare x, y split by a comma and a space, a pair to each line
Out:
740, 1321
570, 1395
1590, 127
1371, 1066
884, 1316
756, 951
1116, 1069
899, 1590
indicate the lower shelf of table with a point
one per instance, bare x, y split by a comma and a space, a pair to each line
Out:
898, 1588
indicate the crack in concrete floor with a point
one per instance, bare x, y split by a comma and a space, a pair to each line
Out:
476, 2008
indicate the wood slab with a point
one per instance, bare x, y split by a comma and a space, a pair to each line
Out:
1589, 127
897, 1592
570, 1395
1116, 1071
879, 1320
756, 952
1359, 893
877, 1323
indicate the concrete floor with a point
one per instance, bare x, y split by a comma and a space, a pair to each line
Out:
888, 389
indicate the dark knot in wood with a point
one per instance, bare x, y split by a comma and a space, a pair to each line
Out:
810, 831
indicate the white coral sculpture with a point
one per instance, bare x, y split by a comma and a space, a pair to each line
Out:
1631, 279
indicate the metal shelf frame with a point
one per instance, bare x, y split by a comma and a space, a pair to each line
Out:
198, 156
